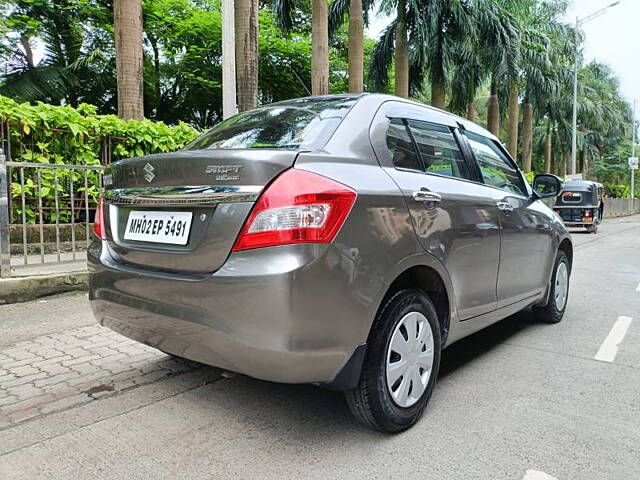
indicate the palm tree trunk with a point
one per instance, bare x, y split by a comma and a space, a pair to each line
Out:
472, 113
438, 93
127, 20
25, 40
527, 137
156, 68
493, 111
402, 58
548, 149
356, 46
246, 24
565, 162
514, 113
319, 47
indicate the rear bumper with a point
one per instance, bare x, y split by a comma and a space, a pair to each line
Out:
282, 314
579, 224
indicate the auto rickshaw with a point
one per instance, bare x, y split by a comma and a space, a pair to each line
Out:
581, 204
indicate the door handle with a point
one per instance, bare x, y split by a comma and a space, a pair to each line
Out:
425, 196
505, 207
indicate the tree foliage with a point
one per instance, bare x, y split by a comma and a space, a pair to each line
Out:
61, 52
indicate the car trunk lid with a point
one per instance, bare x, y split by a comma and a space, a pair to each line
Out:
208, 193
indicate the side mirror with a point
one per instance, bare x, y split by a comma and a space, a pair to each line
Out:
546, 185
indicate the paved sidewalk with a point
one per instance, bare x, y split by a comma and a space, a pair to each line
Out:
37, 279
57, 371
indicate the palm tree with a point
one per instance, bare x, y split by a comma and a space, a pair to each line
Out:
319, 47
246, 35
283, 11
127, 20
394, 44
356, 46
465, 41
65, 73
358, 12
546, 52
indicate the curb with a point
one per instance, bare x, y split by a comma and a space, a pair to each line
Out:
23, 289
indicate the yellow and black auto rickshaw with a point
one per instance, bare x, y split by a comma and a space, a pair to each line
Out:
581, 204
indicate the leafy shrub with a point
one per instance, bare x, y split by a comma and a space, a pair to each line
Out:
44, 133
529, 176
618, 190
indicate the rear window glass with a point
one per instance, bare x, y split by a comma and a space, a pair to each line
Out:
572, 197
303, 123
272, 127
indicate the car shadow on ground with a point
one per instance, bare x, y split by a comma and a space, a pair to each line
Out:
294, 408
474, 346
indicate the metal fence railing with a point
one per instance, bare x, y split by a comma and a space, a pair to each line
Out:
46, 212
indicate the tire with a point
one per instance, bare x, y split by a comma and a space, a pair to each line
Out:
372, 401
554, 310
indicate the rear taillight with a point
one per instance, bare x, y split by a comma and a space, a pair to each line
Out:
98, 224
298, 207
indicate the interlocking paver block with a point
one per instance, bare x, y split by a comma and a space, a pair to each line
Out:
24, 371
85, 359
63, 377
16, 382
64, 403
51, 361
26, 391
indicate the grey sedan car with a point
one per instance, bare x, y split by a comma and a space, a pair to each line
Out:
342, 241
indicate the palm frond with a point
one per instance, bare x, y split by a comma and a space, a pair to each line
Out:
382, 57
283, 13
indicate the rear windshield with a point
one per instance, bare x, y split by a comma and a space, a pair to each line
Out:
276, 126
572, 197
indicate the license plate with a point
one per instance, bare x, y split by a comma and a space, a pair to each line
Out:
159, 227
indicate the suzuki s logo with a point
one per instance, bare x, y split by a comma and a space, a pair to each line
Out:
148, 172
224, 172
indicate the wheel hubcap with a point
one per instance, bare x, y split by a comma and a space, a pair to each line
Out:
562, 286
409, 359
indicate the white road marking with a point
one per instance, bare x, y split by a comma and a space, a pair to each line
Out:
536, 475
609, 348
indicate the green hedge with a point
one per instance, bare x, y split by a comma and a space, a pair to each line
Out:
44, 133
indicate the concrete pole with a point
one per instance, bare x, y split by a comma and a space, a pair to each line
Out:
574, 133
229, 105
633, 151
5, 234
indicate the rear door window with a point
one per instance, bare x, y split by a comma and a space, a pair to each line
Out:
497, 170
438, 149
399, 143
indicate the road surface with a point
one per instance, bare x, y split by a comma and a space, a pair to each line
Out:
519, 400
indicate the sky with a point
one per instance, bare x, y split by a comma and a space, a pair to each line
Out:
612, 38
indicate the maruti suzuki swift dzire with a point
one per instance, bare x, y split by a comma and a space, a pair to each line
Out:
340, 240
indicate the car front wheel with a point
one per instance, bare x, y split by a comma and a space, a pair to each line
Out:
559, 294
401, 364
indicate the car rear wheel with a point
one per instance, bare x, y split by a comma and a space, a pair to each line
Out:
401, 364
559, 294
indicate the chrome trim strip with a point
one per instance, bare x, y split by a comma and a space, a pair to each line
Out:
183, 196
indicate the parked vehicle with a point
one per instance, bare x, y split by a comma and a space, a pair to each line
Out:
581, 204
342, 241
